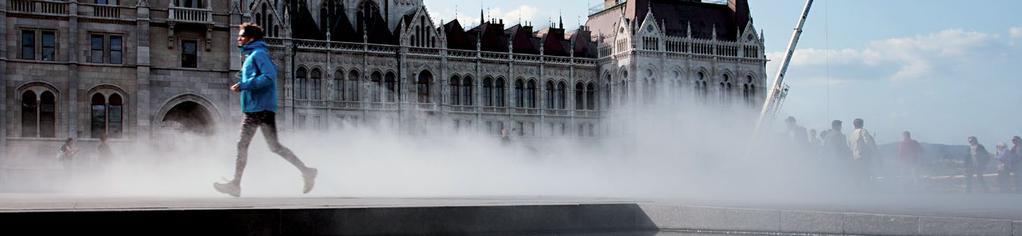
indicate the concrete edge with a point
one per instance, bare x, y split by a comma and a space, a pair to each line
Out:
672, 217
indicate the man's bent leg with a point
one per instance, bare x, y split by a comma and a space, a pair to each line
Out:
269, 128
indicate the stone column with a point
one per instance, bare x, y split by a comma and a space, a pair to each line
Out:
71, 99
233, 112
144, 118
3, 80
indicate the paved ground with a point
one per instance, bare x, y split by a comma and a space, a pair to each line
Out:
990, 206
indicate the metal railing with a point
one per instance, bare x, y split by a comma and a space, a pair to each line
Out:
105, 11
464, 109
39, 7
438, 52
426, 106
425, 51
345, 105
190, 15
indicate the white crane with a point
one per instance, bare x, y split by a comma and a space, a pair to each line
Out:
778, 91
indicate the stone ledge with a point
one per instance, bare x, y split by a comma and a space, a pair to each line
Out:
668, 217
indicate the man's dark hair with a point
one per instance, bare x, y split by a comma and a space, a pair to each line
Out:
858, 123
252, 30
835, 123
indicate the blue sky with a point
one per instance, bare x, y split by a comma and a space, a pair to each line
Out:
944, 69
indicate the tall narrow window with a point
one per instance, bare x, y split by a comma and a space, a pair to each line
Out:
301, 84
316, 81
519, 93
338, 85
501, 91
98, 123
28, 44
466, 91
455, 90
376, 87
353, 85
579, 93
424, 82
49, 46
47, 115
189, 54
96, 51
591, 96
531, 93
550, 95
562, 97
488, 92
29, 114
115, 116
391, 82
117, 52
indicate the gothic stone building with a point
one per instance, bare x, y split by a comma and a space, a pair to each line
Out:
128, 69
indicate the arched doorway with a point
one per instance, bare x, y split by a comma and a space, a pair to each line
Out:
190, 117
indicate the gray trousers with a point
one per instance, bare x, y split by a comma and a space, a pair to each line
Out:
267, 122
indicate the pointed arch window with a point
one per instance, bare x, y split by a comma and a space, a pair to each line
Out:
488, 91
550, 94
390, 80
501, 92
424, 84
725, 88
354, 83
315, 83
339, 85
562, 97
376, 87
531, 93
591, 96
466, 91
579, 96
455, 90
519, 93
301, 83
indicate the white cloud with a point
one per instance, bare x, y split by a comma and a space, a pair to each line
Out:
471, 18
1015, 32
920, 56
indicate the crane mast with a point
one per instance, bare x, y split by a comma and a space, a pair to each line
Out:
778, 90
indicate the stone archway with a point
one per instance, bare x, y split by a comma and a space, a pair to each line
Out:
190, 117
188, 113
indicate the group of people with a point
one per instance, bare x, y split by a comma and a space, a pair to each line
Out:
1008, 165
857, 151
859, 154
68, 152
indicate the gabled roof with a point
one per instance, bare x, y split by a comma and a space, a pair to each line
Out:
491, 36
554, 43
522, 39
676, 15
375, 28
457, 38
303, 26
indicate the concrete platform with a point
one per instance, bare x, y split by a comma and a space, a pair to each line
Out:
45, 215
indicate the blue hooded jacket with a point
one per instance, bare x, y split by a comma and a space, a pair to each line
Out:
258, 79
